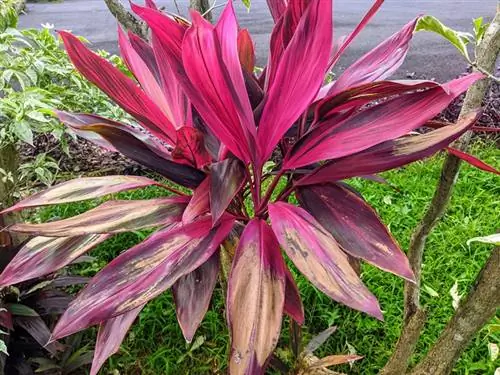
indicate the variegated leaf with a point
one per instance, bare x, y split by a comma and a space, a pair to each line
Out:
82, 189
255, 299
115, 216
192, 294
318, 256
143, 272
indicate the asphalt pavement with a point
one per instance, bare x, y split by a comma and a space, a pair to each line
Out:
429, 56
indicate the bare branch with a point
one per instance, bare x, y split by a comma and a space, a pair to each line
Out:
203, 7
486, 55
127, 19
479, 307
398, 363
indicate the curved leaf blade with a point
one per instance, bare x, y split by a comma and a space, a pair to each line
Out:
192, 294
226, 179
116, 216
318, 256
110, 336
390, 154
356, 226
43, 255
255, 299
80, 189
142, 273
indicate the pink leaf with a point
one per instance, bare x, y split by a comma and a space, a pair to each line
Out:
192, 294
475, 162
214, 87
318, 256
115, 216
43, 255
255, 299
142, 273
110, 336
379, 63
299, 76
82, 189
199, 203
293, 304
226, 179
190, 148
383, 122
356, 226
277, 8
119, 87
144, 75
390, 154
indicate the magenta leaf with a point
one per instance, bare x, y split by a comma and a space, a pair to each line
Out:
119, 87
390, 154
226, 179
115, 216
132, 147
472, 160
144, 75
362, 24
379, 63
319, 257
143, 272
43, 255
78, 122
355, 225
255, 299
190, 148
110, 336
219, 99
82, 189
382, 122
199, 203
277, 8
293, 303
293, 90
192, 294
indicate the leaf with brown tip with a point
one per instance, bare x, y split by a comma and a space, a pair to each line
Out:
318, 256
255, 299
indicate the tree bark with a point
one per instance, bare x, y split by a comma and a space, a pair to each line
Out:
127, 19
203, 7
486, 54
398, 363
479, 307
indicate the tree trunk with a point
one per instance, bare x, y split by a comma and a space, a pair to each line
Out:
127, 19
479, 307
486, 54
203, 7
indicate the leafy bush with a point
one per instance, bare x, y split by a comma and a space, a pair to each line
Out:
35, 77
207, 123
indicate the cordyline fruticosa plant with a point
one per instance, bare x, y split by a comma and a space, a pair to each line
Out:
207, 122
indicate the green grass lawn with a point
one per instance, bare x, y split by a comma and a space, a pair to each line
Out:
155, 344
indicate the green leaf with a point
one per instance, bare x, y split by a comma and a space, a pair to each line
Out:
3, 347
246, 3
22, 130
21, 310
430, 291
493, 239
457, 38
479, 28
37, 116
